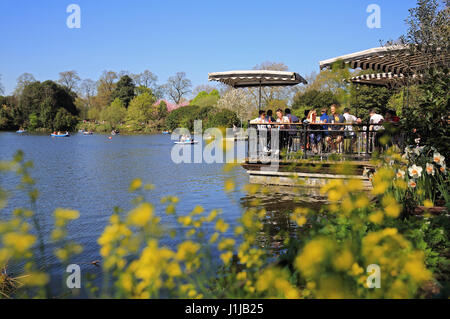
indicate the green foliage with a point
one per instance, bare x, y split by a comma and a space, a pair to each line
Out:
124, 90
313, 99
46, 100
364, 98
115, 113
429, 118
64, 121
6, 115
211, 117
141, 110
204, 99
162, 110
222, 118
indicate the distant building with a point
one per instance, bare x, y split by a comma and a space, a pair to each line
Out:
172, 106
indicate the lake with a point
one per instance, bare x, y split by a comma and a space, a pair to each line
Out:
92, 174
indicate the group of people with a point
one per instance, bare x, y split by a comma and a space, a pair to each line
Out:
267, 117
334, 128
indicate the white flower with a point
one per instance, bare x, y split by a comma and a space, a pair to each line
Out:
412, 184
438, 159
443, 169
430, 169
418, 150
415, 171
400, 174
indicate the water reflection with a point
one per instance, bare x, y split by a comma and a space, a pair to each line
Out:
279, 202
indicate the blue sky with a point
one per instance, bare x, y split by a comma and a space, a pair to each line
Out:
193, 36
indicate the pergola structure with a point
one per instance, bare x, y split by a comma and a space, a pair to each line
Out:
257, 78
393, 66
394, 59
386, 79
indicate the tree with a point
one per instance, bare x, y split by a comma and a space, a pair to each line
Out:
88, 89
44, 100
178, 86
428, 38
270, 93
22, 81
142, 109
64, 121
124, 90
206, 99
162, 110
69, 79
364, 98
115, 113
239, 102
146, 79
222, 118
313, 99
2, 89
105, 87
203, 87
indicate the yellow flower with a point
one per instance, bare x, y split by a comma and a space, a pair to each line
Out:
226, 257
376, 218
135, 184
19, 242
141, 215
212, 215
226, 243
393, 210
221, 226
173, 269
428, 203
311, 256
186, 250
241, 276
214, 237
229, 185
66, 214
356, 270
343, 261
197, 210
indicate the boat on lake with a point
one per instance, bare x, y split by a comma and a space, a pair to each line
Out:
60, 135
165, 132
186, 142
21, 131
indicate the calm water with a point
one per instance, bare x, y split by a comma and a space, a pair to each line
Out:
92, 174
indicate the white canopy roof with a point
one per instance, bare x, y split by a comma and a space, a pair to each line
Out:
396, 59
255, 78
385, 79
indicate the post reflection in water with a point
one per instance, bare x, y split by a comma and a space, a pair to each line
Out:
279, 202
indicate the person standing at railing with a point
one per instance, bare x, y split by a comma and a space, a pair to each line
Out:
336, 136
314, 136
324, 119
283, 136
375, 119
349, 136
262, 129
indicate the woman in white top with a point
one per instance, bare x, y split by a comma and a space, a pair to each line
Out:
282, 118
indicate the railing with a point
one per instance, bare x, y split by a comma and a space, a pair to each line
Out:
357, 141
